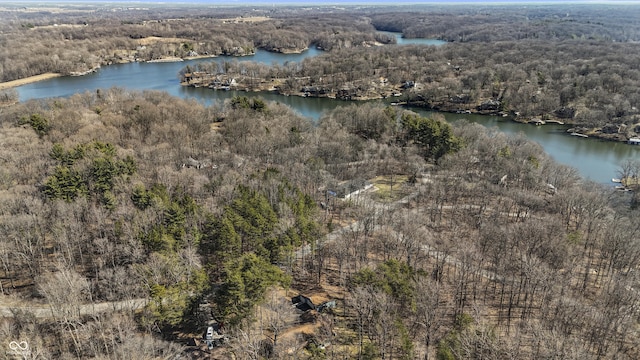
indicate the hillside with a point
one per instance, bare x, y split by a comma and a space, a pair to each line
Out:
139, 225
468, 241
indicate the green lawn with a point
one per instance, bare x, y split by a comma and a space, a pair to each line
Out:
390, 188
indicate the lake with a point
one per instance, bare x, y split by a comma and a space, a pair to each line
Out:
596, 160
141, 76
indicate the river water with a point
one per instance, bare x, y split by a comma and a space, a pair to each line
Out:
595, 160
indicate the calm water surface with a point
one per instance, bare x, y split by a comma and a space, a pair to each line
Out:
594, 159
141, 76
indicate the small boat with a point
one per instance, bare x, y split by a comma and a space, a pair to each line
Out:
578, 134
615, 180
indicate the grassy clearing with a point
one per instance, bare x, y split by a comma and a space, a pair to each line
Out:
390, 187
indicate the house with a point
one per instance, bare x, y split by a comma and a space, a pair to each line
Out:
209, 334
331, 304
551, 189
193, 76
193, 163
408, 84
302, 303
213, 338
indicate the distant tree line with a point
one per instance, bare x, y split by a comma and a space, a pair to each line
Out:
490, 23
75, 46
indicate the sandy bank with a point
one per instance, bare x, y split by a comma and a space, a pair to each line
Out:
27, 80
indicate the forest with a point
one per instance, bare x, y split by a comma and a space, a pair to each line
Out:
133, 221
474, 244
586, 84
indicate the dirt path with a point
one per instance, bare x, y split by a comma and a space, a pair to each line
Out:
27, 80
44, 311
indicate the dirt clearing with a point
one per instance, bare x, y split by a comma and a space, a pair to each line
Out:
28, 80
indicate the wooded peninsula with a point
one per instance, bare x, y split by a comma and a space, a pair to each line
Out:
143, 226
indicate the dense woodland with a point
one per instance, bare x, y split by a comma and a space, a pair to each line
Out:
482, 258
131, 221
490, 23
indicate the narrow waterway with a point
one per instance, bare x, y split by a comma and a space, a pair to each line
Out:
596, 160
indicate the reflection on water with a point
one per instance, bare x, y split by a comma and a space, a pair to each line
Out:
309, 107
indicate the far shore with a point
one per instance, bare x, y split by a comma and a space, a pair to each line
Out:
28, 80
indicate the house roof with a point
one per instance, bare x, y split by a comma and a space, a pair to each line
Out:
303, 303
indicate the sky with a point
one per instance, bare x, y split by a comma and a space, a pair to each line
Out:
333, 2
329, 2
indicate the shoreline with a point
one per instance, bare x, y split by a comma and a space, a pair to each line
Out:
31, 79
28, 80
570, 128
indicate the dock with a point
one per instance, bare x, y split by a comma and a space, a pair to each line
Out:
578, 134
